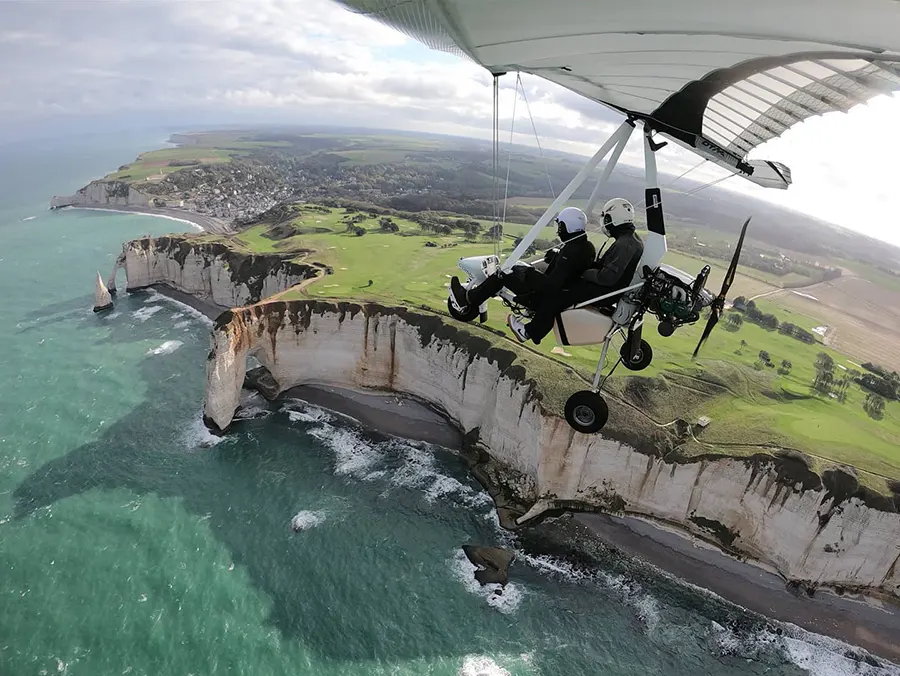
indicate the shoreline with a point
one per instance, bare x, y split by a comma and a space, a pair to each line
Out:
202, 222
658, 550
854, 619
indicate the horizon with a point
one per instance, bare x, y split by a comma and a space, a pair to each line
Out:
181, 65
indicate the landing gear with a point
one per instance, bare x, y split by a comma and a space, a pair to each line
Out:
586, 412
467, 315
641, 359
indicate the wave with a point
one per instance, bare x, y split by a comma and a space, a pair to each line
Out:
140, 213
144, 313
167, 347
505, 599
306, 519
414, 465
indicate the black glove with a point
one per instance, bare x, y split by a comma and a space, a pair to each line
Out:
591, 275
550, 255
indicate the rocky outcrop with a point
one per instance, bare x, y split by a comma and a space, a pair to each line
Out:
212, 271
492, 562
771, 508
103, 193
102, 299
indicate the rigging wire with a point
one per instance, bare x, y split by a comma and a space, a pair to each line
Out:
536, 138
496, 162
512, 127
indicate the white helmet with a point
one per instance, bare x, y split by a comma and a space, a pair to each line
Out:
616, 212
571, 220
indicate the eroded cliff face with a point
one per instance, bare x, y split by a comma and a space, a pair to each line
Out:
211, 271
103, 193
774, 510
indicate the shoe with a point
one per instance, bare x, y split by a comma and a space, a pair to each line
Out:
458, 292
517, 327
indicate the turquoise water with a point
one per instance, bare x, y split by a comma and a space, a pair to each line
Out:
132, 542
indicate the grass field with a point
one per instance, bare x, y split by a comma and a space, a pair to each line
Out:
762, 406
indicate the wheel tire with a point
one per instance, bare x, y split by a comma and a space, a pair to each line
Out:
641, 360
586, 412
469, 315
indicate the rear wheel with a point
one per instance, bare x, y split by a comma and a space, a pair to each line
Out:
586, 412
467, 315
641, 359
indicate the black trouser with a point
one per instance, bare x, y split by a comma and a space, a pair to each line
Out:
521, 280
552, 304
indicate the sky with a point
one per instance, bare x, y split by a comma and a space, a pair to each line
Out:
312, 61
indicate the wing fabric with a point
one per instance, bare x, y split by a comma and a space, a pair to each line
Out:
720, 77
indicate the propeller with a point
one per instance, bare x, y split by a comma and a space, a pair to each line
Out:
718, 303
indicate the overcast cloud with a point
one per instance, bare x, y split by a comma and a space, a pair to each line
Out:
313, 61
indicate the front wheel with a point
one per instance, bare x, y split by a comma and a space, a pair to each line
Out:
586, 412
467, 315
641, 359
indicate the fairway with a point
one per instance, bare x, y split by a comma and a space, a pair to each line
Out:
759, 407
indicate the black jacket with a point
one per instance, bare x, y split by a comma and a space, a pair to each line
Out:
567, 265
616, 266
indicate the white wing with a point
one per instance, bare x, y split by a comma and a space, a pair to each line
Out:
717, 76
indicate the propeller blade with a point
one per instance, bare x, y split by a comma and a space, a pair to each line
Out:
713, 320
718, 303
732, 269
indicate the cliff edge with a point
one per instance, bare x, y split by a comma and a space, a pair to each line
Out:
211, 270
817, 531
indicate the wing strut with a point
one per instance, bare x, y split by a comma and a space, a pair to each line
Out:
621, 136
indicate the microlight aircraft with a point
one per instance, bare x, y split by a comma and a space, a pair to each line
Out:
718, 77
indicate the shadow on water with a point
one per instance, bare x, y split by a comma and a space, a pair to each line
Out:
247, 489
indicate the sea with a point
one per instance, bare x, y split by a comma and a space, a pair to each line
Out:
134, 542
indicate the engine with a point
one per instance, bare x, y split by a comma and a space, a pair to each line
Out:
674, 296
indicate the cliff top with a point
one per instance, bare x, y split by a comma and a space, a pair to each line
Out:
752, 407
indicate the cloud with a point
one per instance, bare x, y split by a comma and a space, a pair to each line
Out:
313, 61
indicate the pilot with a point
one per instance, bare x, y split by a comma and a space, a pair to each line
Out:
613, 270
564, 267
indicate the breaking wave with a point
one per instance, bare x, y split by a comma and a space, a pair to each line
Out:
167, 347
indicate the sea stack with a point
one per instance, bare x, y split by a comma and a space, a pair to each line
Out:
102, 299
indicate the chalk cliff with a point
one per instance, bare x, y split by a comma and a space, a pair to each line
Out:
815, 530
211, 271
103, 193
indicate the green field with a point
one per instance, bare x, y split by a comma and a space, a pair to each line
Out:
760, 407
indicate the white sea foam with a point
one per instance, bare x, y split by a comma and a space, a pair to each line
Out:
306, 519
481, 665
141, 213
144, 313
464, 570
824, 656
196, 435
167, 347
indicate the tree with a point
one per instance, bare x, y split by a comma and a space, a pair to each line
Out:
531, 247
764, 357
786, 367
739, 303
874, 406
734, 321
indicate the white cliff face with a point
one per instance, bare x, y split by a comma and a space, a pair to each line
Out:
102, 299
208, 271
772, 509
103, 193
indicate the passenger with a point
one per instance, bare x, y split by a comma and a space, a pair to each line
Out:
614, 270
564, 267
